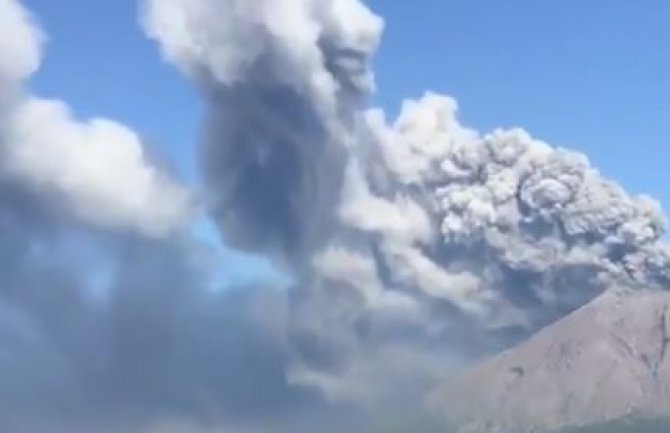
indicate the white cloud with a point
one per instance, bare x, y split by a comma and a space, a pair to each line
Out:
98, 168
20, 42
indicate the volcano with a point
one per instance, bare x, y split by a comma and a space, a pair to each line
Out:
606, 364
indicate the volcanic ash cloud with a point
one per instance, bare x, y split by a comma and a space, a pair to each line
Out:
415, 244
417, 236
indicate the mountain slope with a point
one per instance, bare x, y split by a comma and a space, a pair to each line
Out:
607, 361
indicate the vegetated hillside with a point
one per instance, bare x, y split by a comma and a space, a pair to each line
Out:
626, 426
608, 361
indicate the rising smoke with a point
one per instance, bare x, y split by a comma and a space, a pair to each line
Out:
415, 244
429, 235
283, 82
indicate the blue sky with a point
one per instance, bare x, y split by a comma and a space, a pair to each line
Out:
591, 75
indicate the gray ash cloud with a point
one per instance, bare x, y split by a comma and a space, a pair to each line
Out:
416, 238
415, 244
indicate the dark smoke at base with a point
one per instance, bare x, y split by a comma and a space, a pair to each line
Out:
270, 195
153, 340
153, 347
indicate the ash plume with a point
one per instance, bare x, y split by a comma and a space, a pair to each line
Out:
414, 245
282, 81
433, 241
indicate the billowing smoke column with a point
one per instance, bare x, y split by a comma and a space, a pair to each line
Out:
534, 223
282, 81
416, 240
